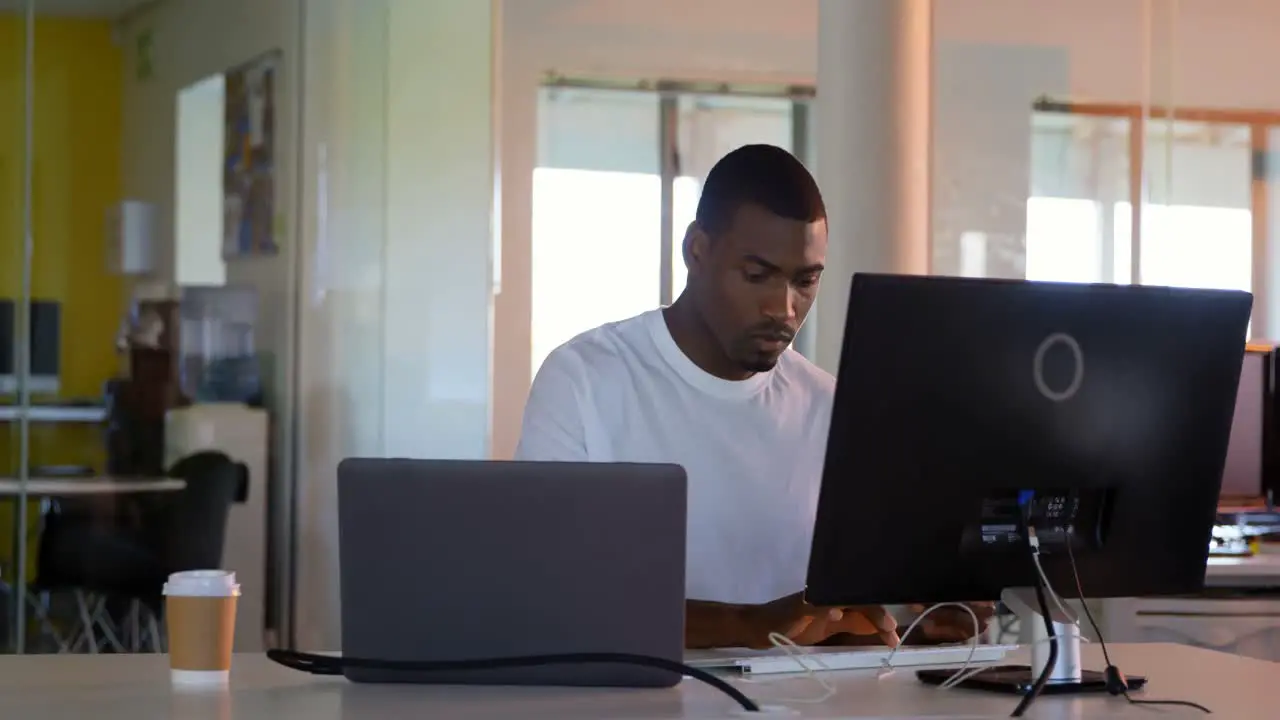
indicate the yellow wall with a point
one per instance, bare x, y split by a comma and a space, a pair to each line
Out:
78, 135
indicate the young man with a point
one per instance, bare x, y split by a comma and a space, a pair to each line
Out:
712, 384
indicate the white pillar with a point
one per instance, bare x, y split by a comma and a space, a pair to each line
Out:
872, 147
398, 256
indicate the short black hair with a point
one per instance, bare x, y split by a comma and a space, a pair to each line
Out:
763, 175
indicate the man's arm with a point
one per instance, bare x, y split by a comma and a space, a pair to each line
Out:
721, 625
553, 428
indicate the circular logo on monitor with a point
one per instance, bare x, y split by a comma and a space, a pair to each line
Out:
1037, 367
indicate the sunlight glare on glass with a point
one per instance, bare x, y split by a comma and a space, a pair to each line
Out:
1063, 242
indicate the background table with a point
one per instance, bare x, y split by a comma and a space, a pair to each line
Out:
105, 487
38, 487
127, 687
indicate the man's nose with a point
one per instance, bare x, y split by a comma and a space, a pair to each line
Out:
780, 305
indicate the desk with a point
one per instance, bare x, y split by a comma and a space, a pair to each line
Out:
127, 687
1239, 612
79, 486
55, 413
1258, 571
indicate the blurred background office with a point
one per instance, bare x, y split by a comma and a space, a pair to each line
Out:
243, 239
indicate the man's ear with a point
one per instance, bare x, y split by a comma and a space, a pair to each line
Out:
696, 247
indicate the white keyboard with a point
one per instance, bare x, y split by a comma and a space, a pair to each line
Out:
774, 661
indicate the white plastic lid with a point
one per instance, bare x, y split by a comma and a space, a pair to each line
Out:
203, 583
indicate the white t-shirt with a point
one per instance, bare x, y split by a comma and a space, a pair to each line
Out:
753, 449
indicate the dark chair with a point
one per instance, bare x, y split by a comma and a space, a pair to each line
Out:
184, 530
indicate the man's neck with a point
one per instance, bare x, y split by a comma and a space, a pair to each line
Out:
697, 342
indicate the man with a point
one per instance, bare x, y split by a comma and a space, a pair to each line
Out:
711, 383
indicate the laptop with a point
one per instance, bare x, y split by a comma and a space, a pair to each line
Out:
447, 560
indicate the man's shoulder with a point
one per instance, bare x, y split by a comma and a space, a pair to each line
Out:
605, 349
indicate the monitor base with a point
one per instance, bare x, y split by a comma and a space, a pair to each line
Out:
1018, 679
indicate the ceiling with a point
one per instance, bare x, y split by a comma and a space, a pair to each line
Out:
77, 8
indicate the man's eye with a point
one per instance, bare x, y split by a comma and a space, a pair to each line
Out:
757, 276
807, 281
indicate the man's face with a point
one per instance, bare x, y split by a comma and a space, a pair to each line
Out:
757, 281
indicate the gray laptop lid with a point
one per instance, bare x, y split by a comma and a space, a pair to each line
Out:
463, 560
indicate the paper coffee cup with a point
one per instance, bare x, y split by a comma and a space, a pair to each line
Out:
200, 617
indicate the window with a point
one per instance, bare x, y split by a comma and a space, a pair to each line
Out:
1192, 246
598, 242
1063, 240
595, 258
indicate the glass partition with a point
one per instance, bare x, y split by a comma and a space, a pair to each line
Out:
61, 307
1140, 155
16, 88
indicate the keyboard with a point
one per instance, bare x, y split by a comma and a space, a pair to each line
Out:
774, 661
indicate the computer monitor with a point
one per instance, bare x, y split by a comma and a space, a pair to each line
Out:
1102, 410
1251, 449
45, 348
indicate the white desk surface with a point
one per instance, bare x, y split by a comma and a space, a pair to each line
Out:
78, 486
128, 687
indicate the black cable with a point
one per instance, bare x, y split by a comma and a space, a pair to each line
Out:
1115, 679
1034, 692
335, 665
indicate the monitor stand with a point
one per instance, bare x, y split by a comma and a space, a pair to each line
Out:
1068, 675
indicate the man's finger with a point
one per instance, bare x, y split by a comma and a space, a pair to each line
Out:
797, 628
881, 618
868, 621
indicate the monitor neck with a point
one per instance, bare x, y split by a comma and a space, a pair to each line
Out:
1032, 631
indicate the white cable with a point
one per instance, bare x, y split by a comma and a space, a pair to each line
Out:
1072, 617
802, 656
886, 666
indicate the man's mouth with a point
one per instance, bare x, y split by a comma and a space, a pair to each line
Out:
774, 341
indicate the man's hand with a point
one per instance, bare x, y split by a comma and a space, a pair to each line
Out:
951, 624
805, 624
866, 621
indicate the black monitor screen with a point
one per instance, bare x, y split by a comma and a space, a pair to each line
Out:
45, 337
1242, 473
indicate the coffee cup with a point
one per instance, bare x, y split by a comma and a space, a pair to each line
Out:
200, 618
